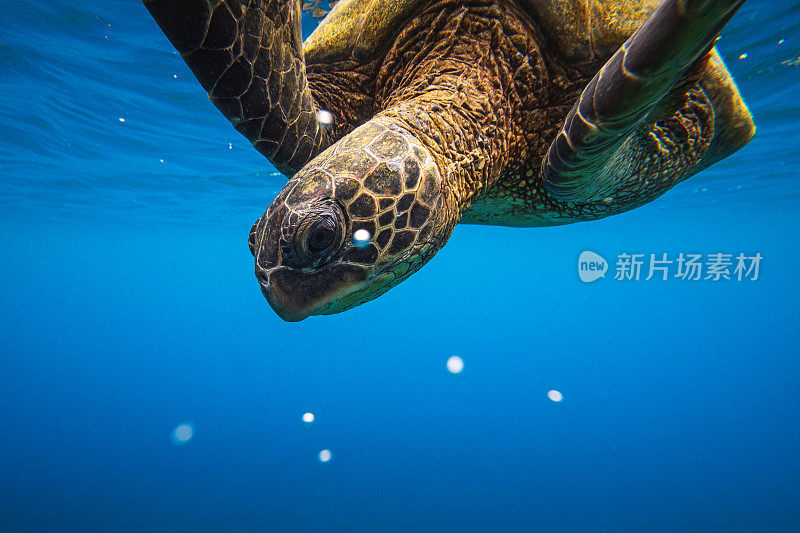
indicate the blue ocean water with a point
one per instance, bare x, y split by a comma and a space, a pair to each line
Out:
128, 307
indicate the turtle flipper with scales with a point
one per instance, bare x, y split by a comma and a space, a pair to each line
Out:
511, 112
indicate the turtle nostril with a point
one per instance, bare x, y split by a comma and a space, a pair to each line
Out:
262, 277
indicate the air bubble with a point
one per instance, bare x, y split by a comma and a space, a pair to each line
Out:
324, 456
455, 365
555, 395
361, 238
325, 118
182, 433
308, 419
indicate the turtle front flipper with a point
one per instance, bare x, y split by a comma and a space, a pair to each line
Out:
248, 56
622, 141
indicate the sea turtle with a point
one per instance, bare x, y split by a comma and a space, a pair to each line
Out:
404, 117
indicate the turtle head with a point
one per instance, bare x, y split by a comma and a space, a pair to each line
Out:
357, 220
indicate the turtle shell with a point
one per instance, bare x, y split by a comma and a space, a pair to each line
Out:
582, 30
578, 31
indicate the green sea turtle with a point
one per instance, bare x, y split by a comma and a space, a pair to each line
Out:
404, 117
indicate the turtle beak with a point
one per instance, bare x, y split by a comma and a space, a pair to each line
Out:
291, 301
297, 294
290, 305
285, 307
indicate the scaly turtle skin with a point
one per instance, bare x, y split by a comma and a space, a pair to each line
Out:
509, 112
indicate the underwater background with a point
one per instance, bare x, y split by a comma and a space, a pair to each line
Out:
146, 385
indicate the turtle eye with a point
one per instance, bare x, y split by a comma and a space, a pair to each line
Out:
320, 237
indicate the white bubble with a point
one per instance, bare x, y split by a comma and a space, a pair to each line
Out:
182, 433
230, 146
361, 238
554, 395
455, 364
324, 456
308, 419
121, 119
325, 118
